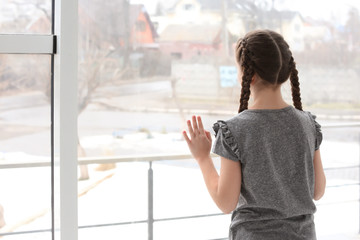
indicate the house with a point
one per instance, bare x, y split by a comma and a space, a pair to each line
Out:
184, 41
201, 12
292, 29
290, 24
317, 32
124, 25
197, 27
142, 31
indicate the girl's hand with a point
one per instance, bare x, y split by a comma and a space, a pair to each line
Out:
199, 142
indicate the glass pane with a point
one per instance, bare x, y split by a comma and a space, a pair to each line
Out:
147, 66
32, 236
188, 193
134, 231
25, 16
25, 190
196, 228
111, 197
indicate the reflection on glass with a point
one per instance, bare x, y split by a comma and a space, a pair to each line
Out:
25, 16
146, 66
25, 192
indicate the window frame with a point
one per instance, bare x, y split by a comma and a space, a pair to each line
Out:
61, 44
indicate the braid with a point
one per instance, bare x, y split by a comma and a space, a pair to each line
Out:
248, 73
295, 89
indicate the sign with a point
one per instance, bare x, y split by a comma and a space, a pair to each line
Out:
228, 76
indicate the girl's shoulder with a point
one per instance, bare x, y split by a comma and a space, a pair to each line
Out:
309, 117
241, 122
250, 120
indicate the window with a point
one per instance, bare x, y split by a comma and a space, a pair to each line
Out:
32, 161
136, 112
188, 7
140, 26
107, 158
25, 144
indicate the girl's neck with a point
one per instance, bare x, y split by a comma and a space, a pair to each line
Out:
267, 98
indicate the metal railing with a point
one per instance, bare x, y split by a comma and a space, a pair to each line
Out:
122, 159
150, 159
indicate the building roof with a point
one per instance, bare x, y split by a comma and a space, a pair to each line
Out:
112, 23
134, 11
193, 33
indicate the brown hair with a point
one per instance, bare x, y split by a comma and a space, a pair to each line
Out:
267, 54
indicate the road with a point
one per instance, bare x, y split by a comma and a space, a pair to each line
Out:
127, 109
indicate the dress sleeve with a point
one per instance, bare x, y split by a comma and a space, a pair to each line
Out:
319, 136
225, 144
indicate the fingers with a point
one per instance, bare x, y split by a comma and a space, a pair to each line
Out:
191, 131
187, 139
208, 135
201, 126
195, 125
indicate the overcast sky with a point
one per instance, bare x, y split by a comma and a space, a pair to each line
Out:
322, 9
335, 10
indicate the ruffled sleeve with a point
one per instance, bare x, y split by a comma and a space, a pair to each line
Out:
318, 136
225, 144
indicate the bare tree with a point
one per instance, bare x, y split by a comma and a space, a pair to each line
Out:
103, 52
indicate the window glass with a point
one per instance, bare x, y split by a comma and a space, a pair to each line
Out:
144, 69
25, 16
25, 189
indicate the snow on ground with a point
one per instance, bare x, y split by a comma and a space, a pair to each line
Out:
178, 191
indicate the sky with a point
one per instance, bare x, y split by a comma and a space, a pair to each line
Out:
330, 10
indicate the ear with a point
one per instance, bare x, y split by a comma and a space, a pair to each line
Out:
254, 79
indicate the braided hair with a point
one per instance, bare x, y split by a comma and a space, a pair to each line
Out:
266, 53
295, 85
248, 73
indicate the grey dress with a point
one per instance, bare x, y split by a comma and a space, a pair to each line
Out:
276, 150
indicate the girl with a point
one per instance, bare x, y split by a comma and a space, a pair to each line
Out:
271, 167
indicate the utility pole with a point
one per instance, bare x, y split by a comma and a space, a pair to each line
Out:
225, 38
127, 32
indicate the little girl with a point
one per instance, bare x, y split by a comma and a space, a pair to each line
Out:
271, 167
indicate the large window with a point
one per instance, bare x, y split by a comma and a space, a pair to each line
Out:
138, 85
143, 68
31, 159
25, 116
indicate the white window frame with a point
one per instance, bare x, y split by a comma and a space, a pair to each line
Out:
27, 44
62, 45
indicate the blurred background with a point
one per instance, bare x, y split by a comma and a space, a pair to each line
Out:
144, 68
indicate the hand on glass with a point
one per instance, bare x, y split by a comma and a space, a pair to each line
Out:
199, 142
